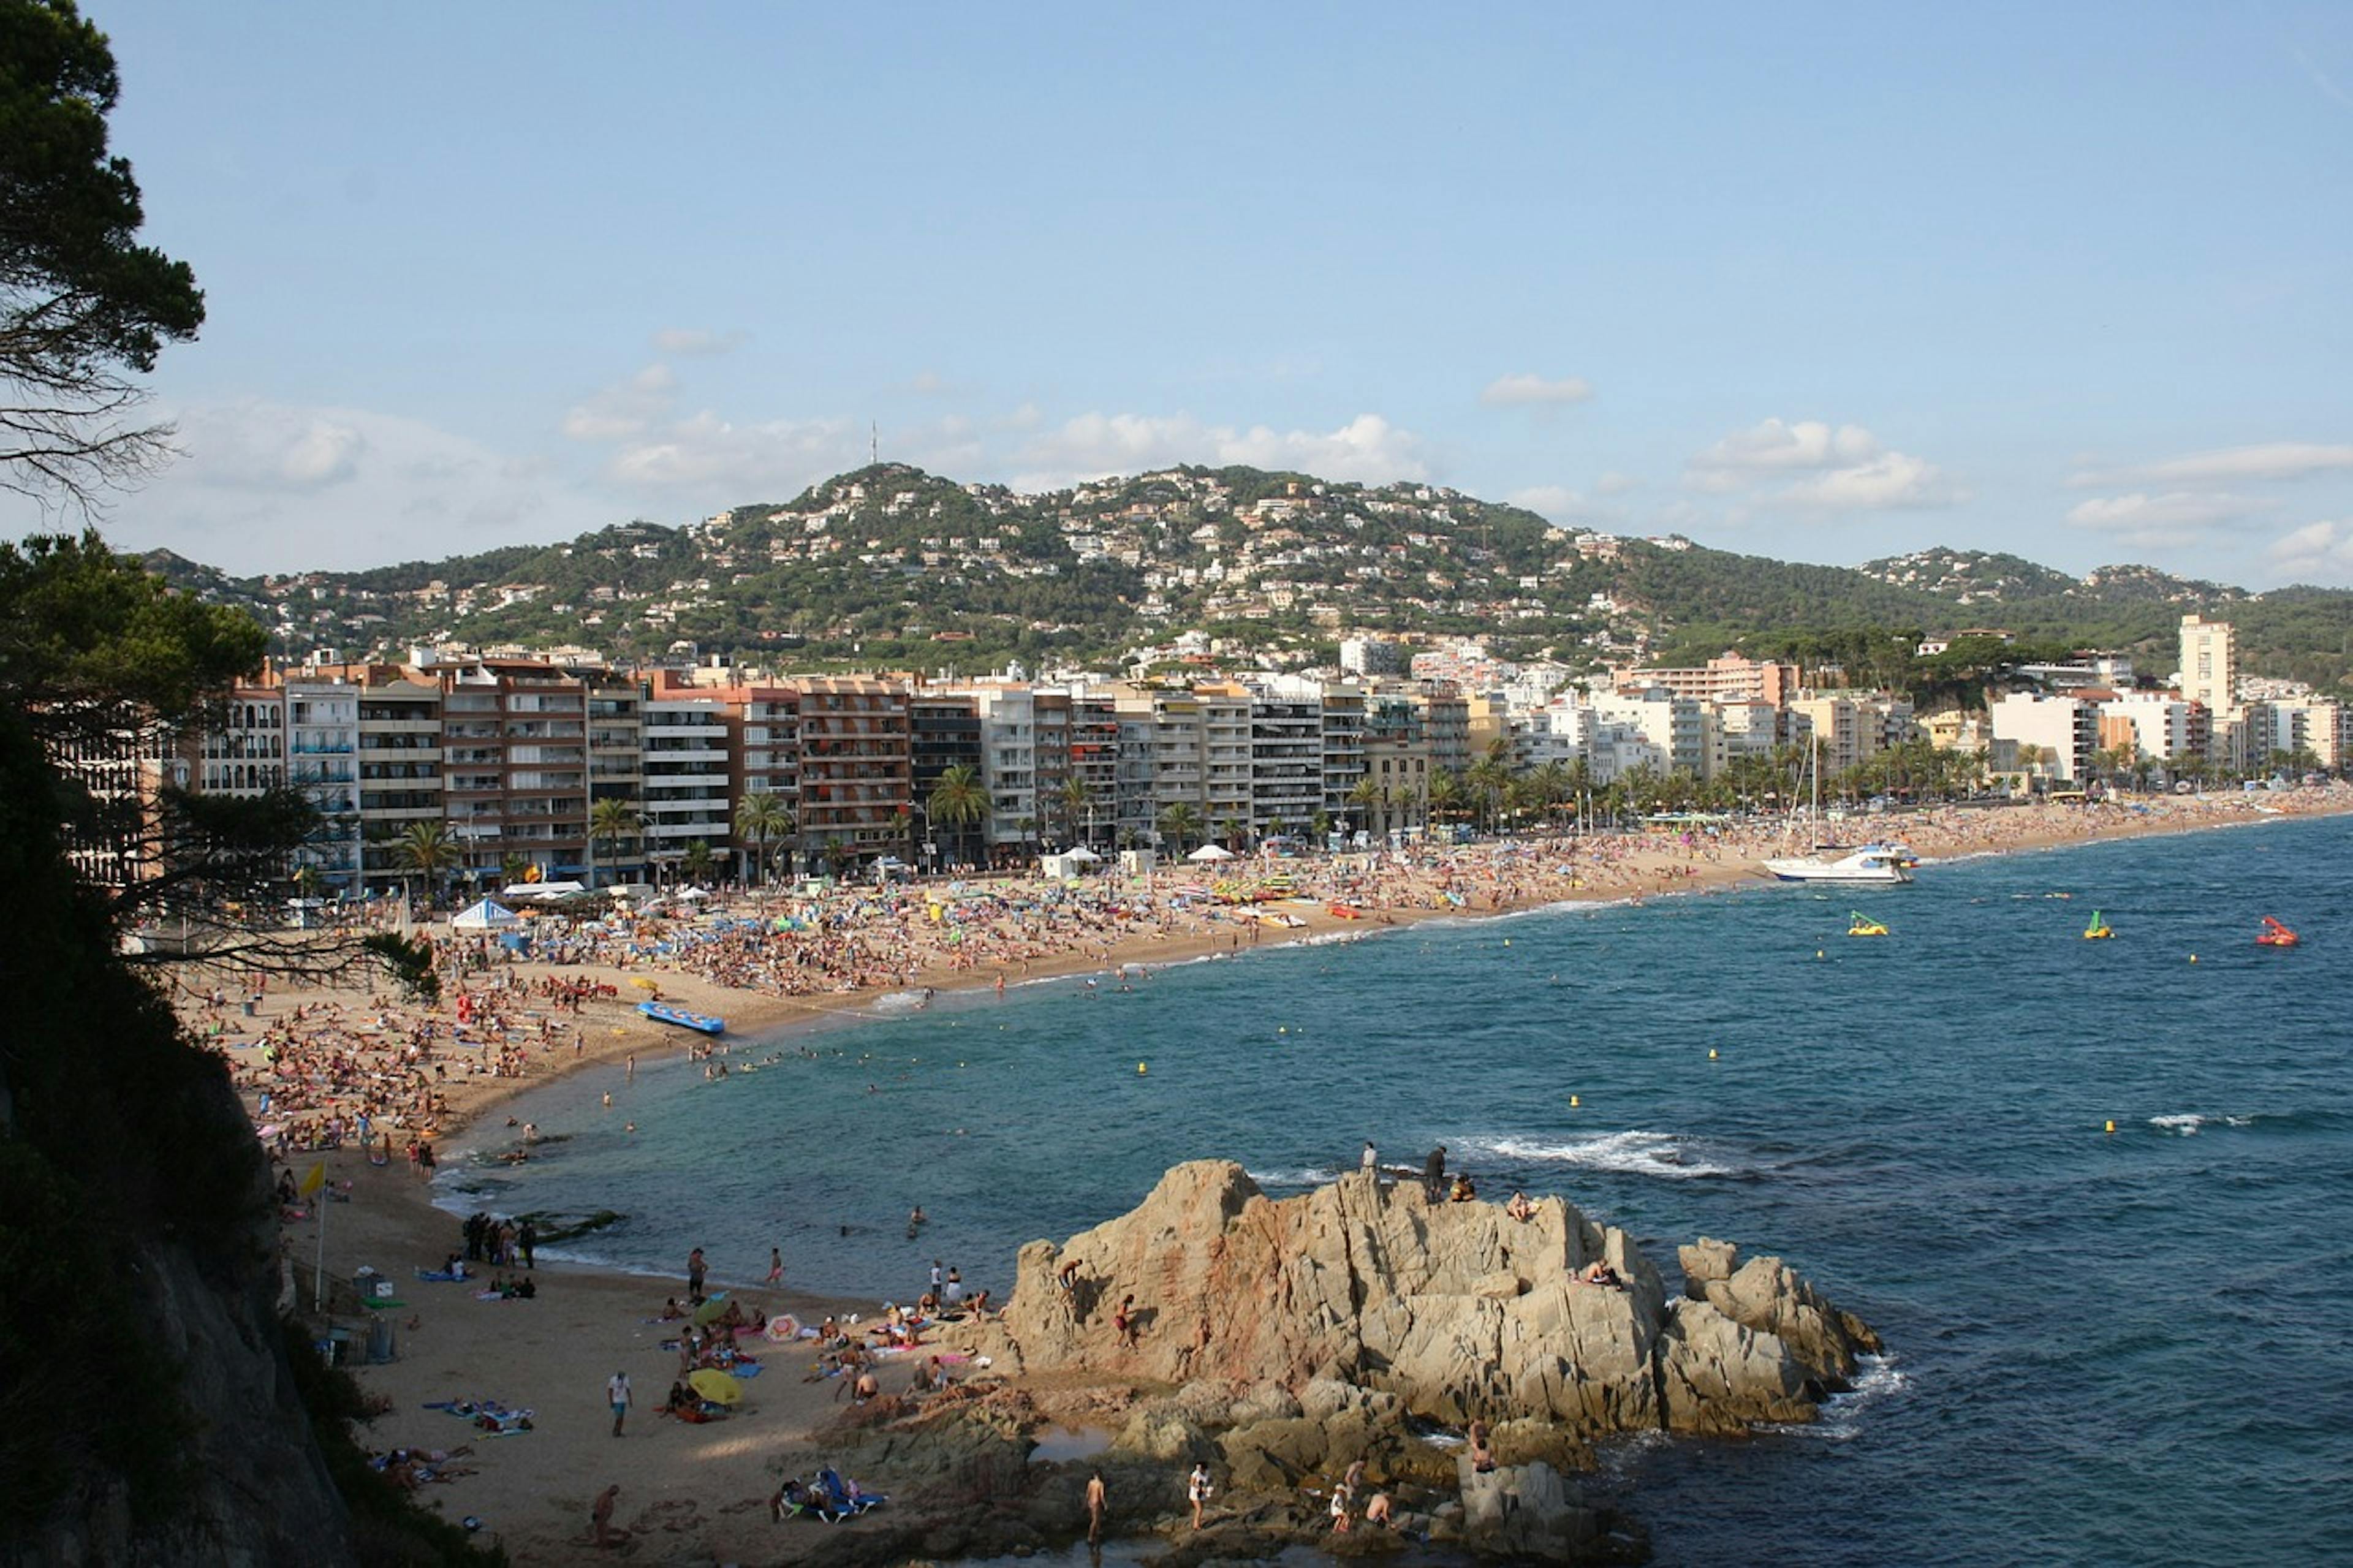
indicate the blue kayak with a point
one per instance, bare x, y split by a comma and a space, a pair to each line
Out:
663, 1013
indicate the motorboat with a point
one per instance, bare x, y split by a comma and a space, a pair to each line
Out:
2274, 934
1872, 864
665, 1012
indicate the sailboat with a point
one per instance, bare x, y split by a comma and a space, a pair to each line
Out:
1880, 863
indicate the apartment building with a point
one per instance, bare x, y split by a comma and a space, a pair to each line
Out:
1094, 763
1343, 707
1730, 678
514, 739
1286, 720
854, 765
685, 768
243, 753
2210, 664
399, 768
2055, 735
322, 745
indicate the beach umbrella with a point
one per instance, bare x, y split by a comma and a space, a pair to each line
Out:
716, 1386
716, 1307
642, 983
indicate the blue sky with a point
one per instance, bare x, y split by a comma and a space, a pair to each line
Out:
1818, 282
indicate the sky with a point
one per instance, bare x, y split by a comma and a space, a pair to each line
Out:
1823, 283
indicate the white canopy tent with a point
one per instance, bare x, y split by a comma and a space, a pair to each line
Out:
541, 889
487, 915
1208, 852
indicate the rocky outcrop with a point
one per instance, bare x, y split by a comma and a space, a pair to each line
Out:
1449, 1311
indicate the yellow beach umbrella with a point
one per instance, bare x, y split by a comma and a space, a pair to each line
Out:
717, 1386
642, 983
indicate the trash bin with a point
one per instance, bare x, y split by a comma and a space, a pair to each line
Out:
379, 1346
247, 1006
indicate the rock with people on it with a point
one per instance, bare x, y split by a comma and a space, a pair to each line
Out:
1455, 1311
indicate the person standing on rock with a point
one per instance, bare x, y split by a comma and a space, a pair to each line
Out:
1433, 1174
1371, 1163
1197, 1492
1096, 1498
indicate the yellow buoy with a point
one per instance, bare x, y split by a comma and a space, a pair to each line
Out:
1573, 1103
2112, 1127
1507, 941
1139, 1070
1711, 1053
1818, 953
2193, 958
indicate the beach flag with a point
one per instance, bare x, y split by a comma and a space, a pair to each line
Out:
315, 1180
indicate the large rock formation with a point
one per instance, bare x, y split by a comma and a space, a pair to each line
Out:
1455, 1311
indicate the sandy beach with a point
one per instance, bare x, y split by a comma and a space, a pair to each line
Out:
312, 1062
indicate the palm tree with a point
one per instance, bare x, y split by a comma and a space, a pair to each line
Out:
959, 799
761, 817
1075, 798
1367, 797
1230, 830
695, 864
427, 848
1443, 796
611, 820
515, 867
1178, 824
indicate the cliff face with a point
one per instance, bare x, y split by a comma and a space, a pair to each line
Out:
148, 1412
1457, 1309
255, 1490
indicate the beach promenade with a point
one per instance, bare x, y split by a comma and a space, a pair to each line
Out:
329, 1056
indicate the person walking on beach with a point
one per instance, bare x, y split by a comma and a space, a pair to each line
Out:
776, 1267
695, 1269
616, 1390
1096, 1498
1433, 1174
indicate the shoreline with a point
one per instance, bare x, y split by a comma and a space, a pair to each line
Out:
533, 1491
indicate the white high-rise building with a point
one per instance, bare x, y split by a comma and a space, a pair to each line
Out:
2210, 664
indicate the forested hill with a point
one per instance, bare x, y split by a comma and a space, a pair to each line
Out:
891, 567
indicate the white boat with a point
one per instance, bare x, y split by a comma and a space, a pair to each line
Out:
1876, 863
1884, 864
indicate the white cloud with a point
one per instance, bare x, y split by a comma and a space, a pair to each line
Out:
1523, 390
623, 409
269, 446
270, 486
1851, 471
2316, 552
695, 341
2165, 520
1368, 449
1889, 480
1614, 483
720, 463
1546, 499
928, 383
2267, 460
1775, 445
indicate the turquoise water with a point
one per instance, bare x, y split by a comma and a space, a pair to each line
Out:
2104, 1348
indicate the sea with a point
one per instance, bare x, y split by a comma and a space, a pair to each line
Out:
2092, 1193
